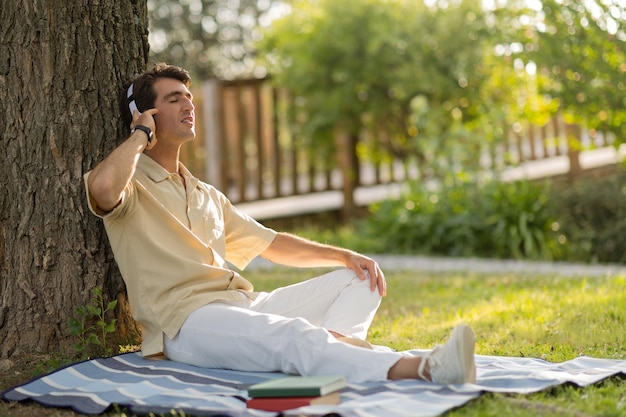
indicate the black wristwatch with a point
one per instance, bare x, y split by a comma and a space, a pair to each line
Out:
144, 129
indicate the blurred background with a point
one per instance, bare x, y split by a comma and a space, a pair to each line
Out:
460, 127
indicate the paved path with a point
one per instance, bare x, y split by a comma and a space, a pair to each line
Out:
436, 264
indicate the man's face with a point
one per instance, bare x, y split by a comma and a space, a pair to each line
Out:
175, 121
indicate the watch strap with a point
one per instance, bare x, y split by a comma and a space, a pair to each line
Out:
144, 129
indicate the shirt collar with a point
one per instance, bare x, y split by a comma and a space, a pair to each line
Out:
157, 173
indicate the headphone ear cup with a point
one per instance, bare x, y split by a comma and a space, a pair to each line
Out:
132, 106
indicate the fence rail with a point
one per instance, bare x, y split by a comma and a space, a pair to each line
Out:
247, 149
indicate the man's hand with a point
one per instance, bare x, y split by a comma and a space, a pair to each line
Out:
360, 263
147, 119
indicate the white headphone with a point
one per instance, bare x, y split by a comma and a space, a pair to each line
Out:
132, 105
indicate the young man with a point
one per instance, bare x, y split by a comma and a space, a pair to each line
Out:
171, 235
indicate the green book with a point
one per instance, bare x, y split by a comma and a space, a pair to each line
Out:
298, 386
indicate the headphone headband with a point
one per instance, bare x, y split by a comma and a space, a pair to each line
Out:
132, 106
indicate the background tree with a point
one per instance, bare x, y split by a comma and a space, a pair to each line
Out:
580, 48
62, 66
410, 73
447, 80
210, 38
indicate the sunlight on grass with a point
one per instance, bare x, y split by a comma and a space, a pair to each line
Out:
554, 318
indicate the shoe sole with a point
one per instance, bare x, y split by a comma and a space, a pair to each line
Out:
464, 337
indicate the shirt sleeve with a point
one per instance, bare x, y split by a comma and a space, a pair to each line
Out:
118, 211
246, 238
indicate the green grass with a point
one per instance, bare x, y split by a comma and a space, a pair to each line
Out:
550, 317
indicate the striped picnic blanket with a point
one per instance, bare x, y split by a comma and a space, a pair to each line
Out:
147, 386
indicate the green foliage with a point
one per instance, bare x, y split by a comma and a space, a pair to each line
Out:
580, 47
207, 37
357, 64
91, 327
395, 70
581, 222
490, 219
591, 218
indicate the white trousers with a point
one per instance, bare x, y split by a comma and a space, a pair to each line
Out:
287, 330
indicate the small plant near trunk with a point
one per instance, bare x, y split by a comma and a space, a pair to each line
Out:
91, 327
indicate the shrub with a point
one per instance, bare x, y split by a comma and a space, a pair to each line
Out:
488, 219
592, 219
581, 222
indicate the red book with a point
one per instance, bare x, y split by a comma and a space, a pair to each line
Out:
287, 403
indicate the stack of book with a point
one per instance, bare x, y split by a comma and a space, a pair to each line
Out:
295, 391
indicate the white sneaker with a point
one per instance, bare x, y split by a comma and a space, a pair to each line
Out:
452, 363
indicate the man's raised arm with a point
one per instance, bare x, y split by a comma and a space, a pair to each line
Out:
110, 177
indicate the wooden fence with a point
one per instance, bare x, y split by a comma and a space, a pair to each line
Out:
246, 148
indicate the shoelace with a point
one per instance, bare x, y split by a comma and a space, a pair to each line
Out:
433, 361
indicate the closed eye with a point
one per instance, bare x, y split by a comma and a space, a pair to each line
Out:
175, 95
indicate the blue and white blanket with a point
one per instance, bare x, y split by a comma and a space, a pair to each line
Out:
148, 386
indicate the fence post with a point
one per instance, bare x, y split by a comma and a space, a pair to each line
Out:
213, 133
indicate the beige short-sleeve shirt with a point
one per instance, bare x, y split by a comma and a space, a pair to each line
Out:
171, 244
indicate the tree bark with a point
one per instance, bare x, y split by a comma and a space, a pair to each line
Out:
62, 67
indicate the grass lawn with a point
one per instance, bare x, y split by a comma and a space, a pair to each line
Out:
550, 317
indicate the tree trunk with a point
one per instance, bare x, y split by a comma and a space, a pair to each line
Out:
346, 150
573, 135
62, 67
